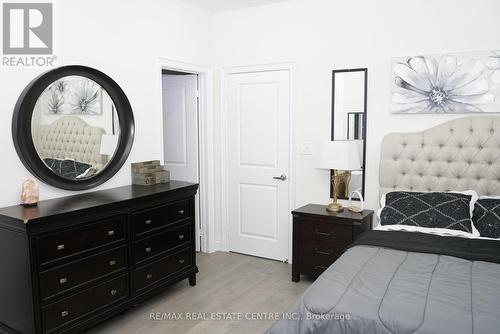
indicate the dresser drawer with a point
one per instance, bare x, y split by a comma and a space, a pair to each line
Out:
162, 242
69, 242
156, 271
335, 233
74, 274
147, 220
78, 305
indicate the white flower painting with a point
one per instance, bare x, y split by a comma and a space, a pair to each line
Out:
448, 83
494, 64
73, 96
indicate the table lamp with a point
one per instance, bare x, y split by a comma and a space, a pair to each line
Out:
108, 144
340, 155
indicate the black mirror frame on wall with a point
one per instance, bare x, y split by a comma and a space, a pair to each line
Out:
22, 123
363, 130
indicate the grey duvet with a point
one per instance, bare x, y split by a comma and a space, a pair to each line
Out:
379, 289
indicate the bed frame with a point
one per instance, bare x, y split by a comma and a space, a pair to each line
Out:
462, 154
70, 137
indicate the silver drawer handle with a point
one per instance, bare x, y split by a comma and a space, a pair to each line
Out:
63, 280
324, 234
60, 247
181, 212
149, 276
110, 233
148, 222
112, 262
64, 313
113, 292
321, 252
181, 261
181, 236
148, 249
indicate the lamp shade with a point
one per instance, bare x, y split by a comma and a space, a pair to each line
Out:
108, 144
340, 155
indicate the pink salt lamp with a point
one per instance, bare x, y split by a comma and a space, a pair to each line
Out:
29, 195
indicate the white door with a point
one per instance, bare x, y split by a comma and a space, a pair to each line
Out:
180, 131
258, 139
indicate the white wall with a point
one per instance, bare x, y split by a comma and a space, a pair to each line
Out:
124, 39
322, 35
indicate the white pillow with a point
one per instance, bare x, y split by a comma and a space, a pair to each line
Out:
429, 230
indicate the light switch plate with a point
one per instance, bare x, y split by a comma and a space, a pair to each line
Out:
305, 148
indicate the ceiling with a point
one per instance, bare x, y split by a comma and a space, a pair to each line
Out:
222, 5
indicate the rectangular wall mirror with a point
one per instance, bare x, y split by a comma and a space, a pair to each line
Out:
349, 92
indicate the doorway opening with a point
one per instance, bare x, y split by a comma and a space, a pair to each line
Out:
186, 140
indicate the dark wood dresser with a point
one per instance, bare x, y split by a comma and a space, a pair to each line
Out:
320, 237
70, 263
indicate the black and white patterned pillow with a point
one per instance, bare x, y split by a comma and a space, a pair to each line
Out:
69, 169
486, 217
428, 209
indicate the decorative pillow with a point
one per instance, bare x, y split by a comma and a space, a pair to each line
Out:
486, 217
67, 168
446, 213
87, 173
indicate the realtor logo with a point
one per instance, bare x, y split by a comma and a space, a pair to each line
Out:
27, 29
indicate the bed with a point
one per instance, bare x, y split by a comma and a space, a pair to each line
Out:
70, 147
412, 282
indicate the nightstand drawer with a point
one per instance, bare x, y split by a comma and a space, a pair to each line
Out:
327, 232
320, 237
313, 266
322, 251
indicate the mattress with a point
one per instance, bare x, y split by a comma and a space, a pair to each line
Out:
403, 282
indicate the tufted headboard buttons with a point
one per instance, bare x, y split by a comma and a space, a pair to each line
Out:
70, 137
462, 154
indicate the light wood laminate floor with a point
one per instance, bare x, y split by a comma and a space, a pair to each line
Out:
227, 282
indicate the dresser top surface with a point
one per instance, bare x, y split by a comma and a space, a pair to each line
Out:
320, 210
89, 200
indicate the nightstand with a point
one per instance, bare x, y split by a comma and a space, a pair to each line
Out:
320, 237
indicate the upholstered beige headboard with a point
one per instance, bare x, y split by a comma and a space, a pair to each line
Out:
70, 137
460, 154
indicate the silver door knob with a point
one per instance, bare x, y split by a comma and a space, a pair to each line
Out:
282, 177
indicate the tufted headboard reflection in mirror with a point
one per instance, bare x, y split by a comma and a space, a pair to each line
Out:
462, 154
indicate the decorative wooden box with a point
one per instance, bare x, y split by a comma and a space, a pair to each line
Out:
148, 173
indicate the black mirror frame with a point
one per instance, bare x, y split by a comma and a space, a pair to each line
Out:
23, 140
365, 70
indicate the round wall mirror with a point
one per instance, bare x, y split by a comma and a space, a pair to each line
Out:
73, 127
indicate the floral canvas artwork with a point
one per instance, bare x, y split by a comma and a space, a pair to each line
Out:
73, 95
447, 83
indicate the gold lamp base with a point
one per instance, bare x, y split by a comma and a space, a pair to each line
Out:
336, 180
334, 207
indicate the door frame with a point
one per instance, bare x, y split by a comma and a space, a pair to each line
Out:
205, 143
224, 74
